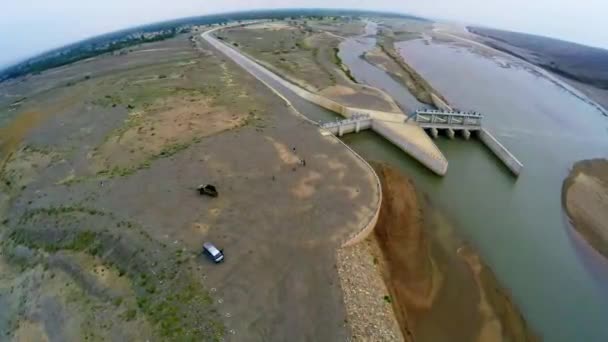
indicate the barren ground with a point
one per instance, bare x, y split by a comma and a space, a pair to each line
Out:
305, 53
102, 228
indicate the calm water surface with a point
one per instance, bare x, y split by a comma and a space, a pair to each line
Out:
518, 225
351, 52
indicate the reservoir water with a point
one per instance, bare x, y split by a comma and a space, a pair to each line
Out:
517, 225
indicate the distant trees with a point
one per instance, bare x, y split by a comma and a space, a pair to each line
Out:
85, 51
118, 41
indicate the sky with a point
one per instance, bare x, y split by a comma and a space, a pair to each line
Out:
29, 27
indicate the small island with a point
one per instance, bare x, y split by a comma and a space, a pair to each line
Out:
585, 198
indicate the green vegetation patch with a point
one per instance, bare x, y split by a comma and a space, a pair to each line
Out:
419, 87
338, 62
253, 119
79, 241
117, 171
139, 97
161, 107
96, 46
22, 167
295, 52
169, 297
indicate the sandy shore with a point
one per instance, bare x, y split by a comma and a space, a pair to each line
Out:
437, 285
585, 199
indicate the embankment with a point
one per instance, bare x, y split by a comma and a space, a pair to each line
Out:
585, 199
416, 84
501, 152
439, 288
409, 272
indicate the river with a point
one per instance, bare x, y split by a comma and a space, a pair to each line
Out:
351, 52
518, 225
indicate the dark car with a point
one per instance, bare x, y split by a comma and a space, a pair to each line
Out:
208, 190
213, 252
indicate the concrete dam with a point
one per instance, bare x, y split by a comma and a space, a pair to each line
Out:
452, 121
432, 121
408, 135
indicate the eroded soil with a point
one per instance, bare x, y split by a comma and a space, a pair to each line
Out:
439, 287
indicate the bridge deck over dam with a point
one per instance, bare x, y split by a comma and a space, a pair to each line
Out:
452, 121
394, 127
449, 120
428, 118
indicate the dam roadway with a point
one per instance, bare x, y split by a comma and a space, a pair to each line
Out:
409, 137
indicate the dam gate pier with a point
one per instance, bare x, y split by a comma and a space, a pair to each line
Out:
433, 120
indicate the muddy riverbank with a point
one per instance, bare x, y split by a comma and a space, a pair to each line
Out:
439, 287
585, 199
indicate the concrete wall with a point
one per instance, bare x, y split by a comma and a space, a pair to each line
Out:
439, 166
349, 127
450, 126
514, 165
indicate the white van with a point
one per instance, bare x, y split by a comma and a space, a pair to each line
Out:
213, 252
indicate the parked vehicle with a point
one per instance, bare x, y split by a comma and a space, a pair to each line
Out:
213, 252
207, 189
